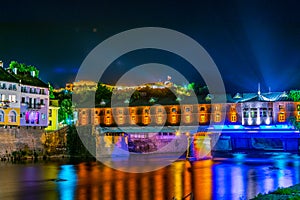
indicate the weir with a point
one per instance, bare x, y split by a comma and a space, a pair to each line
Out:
195, 142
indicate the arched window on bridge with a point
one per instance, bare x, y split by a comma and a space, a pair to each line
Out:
281, 117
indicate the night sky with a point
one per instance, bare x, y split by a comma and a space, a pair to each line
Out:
250, 41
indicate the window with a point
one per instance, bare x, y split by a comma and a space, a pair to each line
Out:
132, 119
173, 110
12, 116
281, 117
281, 107
187, 109
270, 112
96, 112
42, 101
253, 113
107, 111
44, 116
202, 118
147, 111
159, 110
264, 112
120, 112
50, 123
3, 97
23, 100
217, 117
202, 108
1, 116
298, 107
188, 119
233, 118
298, 117
12, 98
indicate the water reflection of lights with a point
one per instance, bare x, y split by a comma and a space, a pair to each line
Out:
237, 180
67, 188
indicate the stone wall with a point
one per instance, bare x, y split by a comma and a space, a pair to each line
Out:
30, 139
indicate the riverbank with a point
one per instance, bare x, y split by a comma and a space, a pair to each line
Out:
289, 193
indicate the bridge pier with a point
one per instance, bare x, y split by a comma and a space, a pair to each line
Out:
199, 147
111, 145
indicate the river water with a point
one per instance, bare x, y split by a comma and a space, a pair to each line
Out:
235, 178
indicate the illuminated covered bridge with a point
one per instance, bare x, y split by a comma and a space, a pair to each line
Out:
249, 121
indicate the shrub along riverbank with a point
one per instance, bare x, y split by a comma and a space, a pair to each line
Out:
289, 193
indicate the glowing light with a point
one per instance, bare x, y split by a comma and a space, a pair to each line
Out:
249, 121
258, 121
67, 187
236, 126
268, 121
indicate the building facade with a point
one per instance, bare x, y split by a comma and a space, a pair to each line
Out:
53, 123
9, 100
24, 99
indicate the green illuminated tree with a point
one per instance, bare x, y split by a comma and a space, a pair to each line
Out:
295, 96
65, 111
23, 68
51, 93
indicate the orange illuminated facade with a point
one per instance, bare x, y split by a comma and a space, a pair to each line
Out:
233, 114
160, 115
282, 113
146, 116
133, 115
172, 115
203, 111
217, 113
297, 112
188, 114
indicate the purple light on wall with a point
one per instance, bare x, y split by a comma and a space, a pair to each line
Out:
27, 117
31, 117
37, 114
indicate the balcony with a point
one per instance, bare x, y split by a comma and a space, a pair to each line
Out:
33, 106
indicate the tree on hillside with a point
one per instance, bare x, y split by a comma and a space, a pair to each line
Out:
102, 92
